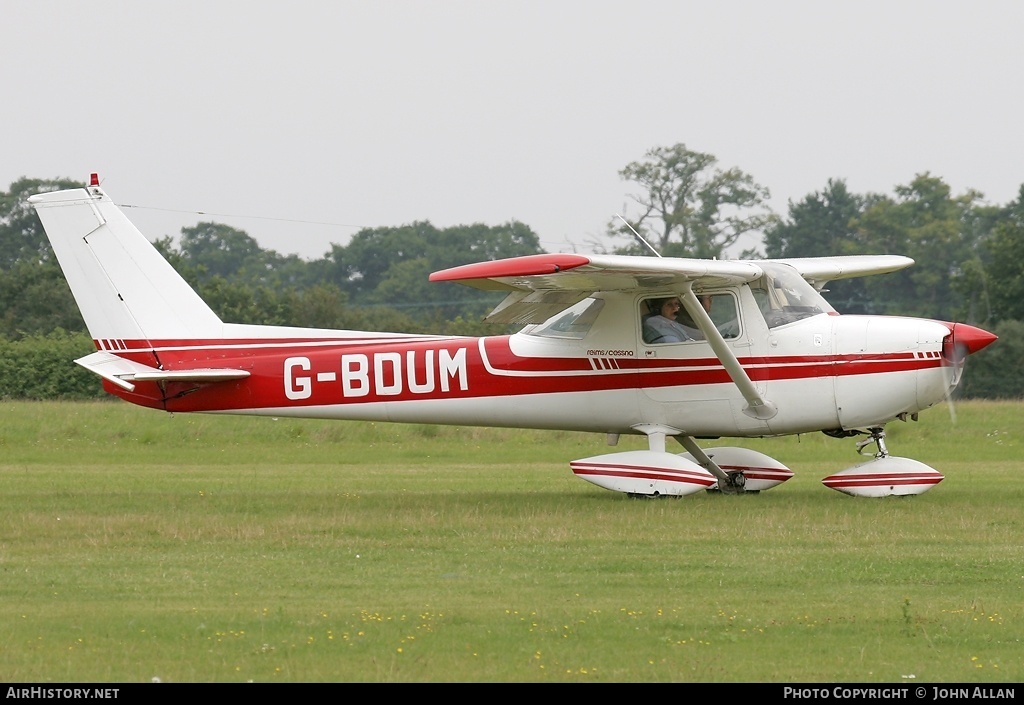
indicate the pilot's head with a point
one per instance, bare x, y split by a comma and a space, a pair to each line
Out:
669, 308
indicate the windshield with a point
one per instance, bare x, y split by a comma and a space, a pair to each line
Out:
573, 322
784, 296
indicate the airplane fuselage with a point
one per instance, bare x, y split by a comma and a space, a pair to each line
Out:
822, 372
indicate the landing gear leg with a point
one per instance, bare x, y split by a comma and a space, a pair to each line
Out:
876, 435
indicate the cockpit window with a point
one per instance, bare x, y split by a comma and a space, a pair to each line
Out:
574, 322
784, 296
666, 320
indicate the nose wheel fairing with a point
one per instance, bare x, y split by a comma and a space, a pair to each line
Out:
885, 475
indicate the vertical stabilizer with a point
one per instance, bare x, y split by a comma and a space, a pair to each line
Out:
124, 288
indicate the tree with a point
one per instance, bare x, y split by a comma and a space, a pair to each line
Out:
220, 250
1005, 268
391, 266
361, 265
997, 372
822, 225
688, 207
21, 234
926, 223
35, 300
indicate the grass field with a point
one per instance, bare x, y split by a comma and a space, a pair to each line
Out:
136, 545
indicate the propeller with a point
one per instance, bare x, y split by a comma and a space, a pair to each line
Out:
963, 340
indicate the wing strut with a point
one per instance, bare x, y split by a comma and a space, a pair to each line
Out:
702, 458
757, 407
728, 482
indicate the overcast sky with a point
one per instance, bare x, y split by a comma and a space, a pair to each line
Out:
304, 121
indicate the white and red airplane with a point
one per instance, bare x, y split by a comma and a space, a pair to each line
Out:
767, 356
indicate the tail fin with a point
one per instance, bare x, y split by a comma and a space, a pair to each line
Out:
125, 289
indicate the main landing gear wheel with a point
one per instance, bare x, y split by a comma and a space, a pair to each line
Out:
735, 483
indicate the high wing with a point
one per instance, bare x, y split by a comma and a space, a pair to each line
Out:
540, 286
818, 271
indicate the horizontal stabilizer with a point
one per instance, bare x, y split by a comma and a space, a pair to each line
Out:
122, 372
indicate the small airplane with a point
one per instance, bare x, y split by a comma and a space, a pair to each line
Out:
762, 354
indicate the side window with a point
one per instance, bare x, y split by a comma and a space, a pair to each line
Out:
722, 309
665, 320
574, 322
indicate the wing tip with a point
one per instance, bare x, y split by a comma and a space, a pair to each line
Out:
527, 265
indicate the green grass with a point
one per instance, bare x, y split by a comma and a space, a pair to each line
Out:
137, 545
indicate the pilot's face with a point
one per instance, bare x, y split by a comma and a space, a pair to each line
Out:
670, 308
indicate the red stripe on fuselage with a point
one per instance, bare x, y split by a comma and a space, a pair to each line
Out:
329, 371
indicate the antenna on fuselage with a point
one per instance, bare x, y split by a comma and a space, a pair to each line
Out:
639, 237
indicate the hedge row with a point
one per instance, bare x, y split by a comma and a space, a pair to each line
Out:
43, 367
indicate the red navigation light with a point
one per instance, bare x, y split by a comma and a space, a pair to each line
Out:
94, 179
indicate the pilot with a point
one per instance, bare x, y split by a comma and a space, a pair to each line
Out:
661, 326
